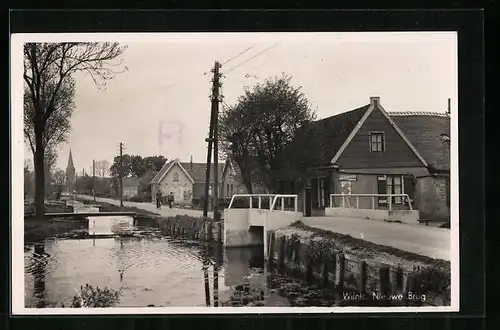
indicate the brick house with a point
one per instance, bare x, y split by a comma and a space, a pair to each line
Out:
233, 183
186, 180
371, 151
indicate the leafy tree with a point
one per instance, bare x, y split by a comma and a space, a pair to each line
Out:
49, 70
84, 184
50, 159
121, 165
256, 131
136, 165
144, 188
154, 163
59, 181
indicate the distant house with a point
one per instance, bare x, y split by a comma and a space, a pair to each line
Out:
371, 151
186, 180
233, 183
130, 186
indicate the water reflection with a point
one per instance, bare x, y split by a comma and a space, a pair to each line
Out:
149, 269
39, 275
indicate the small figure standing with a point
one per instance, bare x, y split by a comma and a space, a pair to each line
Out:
158, 199
170, 199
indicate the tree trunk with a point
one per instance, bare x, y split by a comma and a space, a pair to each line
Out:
39, 178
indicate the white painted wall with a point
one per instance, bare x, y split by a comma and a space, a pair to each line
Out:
406, 216
238, 221
181, 189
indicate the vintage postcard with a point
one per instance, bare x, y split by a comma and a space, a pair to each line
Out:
181, 173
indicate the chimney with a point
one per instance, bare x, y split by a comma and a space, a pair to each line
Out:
449, 106
191, 163
374, 100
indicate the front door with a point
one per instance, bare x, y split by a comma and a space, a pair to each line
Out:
308, 209
326, 187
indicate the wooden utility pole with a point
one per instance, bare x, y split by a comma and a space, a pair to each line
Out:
121, 174
93, 178
215, 104
210, 139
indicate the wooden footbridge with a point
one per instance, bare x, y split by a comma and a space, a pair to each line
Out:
91, 214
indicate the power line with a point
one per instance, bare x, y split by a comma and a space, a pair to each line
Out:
234, 57
146, 92
251, 58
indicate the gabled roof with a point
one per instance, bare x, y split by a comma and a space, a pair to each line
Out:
231, 165
319, 141
195, 171
375, 105
198, 171
425, 131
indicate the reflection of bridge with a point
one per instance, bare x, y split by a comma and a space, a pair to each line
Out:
90, 214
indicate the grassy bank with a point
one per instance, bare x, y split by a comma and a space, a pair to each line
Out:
38, 230
368, 250
360, 265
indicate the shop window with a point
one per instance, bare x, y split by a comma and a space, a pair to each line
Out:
390, 184
394, 186
377, 143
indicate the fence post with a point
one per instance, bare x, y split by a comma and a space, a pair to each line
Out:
282, 203
357, 202
341, 265
373, 202
390, 202
295, 203
260, 202
343, 201
270, 202
251, 202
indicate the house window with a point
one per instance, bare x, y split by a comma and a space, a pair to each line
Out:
176, 177
377, 142
227, 190
231, 190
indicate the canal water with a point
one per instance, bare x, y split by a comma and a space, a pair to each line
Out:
148, 269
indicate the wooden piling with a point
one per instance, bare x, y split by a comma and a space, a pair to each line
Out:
341, 271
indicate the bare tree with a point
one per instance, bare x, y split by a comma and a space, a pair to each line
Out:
102, 168
49, 91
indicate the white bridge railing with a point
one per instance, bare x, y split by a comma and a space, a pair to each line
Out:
273, 200
346, 198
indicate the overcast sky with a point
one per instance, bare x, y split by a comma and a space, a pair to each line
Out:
164, 90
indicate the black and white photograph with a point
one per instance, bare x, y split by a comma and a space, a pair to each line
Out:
185, 173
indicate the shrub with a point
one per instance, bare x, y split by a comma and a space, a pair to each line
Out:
137, 199
95, 297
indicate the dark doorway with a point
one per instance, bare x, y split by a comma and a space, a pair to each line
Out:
308, 209
257, 234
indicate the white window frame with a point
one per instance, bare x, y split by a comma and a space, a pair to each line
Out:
376, 133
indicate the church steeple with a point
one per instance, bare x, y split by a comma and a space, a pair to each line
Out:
70, 174
70, 161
